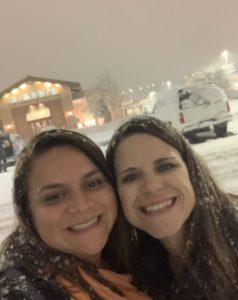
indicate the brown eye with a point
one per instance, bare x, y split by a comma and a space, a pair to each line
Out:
130, 177
54, 198
165, 167
95, 183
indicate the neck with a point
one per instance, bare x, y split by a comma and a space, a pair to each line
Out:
175, 245
96, 260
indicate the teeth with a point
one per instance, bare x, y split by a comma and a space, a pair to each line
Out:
158, 206
81, 226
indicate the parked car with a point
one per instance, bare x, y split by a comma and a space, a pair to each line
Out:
194, 109
13, 146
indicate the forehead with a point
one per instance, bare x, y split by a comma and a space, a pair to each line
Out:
143, 146
60, 164
60, 157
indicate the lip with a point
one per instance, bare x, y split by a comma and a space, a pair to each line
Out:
157, 206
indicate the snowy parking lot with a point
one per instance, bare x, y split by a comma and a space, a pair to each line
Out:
221, 155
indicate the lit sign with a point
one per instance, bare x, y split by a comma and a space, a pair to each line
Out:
33, 95
38, 114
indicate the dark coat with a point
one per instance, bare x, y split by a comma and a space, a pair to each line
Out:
2, 149
19, 284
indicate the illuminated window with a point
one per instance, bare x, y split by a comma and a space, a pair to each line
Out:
53, 91
13, 99
25, 97
33, 95
41, 93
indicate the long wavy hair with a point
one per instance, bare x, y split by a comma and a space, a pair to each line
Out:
24, 247
211, 251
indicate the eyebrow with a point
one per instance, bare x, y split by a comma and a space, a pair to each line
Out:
159, 160
56, 185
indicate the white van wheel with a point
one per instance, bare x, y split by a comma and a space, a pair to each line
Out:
221, 129
191, 137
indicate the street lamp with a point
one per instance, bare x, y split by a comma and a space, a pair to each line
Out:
168, 83
225, 54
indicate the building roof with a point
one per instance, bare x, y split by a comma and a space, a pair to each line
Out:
74, 86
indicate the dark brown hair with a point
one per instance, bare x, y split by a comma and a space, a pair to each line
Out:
211, 252
24, 247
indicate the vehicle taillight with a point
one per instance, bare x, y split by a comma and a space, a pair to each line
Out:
181, 118
228, 106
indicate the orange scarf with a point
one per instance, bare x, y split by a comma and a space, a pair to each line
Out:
122, 282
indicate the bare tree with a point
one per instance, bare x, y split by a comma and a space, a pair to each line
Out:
105, 99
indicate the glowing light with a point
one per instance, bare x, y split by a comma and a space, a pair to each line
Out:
48, 84
6, 95
23, 86
15, 91
31, 108
131, 90
140, 88
225, 54
9, 127
70, 113
235, 85
58, 85
152, 94
168, 83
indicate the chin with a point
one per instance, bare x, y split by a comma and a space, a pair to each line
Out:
166, 233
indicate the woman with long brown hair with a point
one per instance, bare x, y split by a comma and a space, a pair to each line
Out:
183, 227
64, 245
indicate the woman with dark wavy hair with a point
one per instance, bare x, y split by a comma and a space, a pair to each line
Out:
184, 228
63, 247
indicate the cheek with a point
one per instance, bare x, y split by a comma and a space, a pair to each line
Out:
188, 188
127, 193
45, 220
126, 202
109, 202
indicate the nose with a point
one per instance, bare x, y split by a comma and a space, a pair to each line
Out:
152, 184
79, 202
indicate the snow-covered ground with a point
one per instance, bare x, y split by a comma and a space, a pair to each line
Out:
221, 155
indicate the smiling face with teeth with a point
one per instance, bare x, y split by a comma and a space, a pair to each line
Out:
73, 206
154, 186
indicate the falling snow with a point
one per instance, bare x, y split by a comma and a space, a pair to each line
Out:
221, 155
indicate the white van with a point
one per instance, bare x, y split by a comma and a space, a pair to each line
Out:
195, 108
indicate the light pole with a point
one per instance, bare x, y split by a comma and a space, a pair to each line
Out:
168, 83
225, 54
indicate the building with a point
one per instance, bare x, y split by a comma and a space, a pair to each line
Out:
34, 103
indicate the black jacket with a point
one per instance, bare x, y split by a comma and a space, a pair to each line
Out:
19, 284
2, 149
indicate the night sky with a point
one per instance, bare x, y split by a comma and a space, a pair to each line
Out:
137, 41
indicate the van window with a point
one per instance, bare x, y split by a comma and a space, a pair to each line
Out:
189, 99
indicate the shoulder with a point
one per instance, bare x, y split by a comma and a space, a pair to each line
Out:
18, 283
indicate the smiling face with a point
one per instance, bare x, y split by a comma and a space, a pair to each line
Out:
153, 185
73, 206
